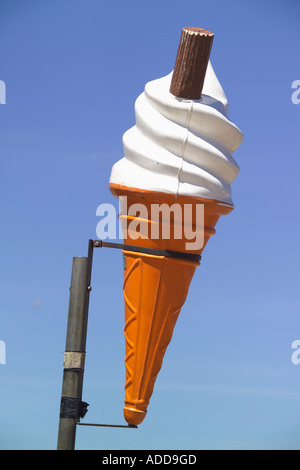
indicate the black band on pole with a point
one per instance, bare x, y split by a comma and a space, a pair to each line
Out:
73, 408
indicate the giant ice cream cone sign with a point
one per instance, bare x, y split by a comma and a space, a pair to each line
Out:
173, 183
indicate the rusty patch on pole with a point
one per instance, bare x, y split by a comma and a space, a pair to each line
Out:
74, 360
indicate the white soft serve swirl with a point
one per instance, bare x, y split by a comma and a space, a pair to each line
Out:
177, 146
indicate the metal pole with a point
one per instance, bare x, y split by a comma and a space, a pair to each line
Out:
71, 404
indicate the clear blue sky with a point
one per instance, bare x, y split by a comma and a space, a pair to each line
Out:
73, 69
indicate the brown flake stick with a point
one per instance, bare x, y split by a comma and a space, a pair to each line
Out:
191, 63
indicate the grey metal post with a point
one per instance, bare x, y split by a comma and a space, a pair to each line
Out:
75, 350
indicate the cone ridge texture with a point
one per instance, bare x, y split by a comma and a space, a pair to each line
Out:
155, 289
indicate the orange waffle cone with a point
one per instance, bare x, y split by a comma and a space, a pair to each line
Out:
155, 287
